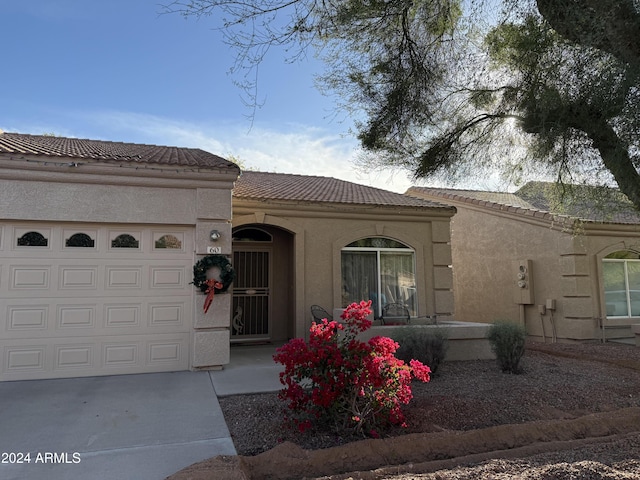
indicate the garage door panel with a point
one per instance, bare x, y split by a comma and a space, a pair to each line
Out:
78, 277
80, 356
122, 315
167, 277
167, 314
165, 351
20, 359
121, 354
123, 277
26, 318
73, 317
88, 356
101, 316
29, 277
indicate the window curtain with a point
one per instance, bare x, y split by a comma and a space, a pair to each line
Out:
633, 281
398, 280
360, 278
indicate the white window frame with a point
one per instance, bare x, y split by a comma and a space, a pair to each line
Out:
377, 309
625, 262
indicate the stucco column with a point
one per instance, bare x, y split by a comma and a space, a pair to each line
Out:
575, 308
442, 272
211, 330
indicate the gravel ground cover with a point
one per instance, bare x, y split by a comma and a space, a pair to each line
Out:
576, 408
560, 381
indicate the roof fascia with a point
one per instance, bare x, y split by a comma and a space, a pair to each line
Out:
65, 170
342, 210
609, 229
533, 217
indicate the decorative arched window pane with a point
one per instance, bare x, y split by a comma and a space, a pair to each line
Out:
376, 242
251, 235
168, 241
624, 255
381, 270
32, 239
124, 241
621, 278
80, 240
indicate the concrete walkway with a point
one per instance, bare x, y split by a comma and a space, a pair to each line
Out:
252, 370
142, 427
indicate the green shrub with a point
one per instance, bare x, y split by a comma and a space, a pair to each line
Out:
507, 342
427, 344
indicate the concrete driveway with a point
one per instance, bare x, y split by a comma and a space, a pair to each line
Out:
128, 426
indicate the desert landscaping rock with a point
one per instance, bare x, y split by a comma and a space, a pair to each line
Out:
574, 413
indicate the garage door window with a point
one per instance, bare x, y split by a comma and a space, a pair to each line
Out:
125, 241
168, 241
80, 240
33, 239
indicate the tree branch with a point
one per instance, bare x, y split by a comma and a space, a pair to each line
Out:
612, 26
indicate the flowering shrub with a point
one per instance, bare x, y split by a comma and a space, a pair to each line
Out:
343, 382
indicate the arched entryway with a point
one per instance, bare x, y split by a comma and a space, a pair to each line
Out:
264, 290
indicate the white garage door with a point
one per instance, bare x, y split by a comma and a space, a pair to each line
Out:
81, 300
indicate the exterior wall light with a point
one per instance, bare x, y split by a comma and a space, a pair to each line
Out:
215, 235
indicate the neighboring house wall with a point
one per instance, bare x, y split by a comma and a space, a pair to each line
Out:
319, 232
566, 256
153, 324
484, 248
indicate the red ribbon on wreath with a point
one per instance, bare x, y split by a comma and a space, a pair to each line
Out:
212, 284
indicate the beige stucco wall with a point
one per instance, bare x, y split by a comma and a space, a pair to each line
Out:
566, 264
114, 194
320, 231
484, 248
96, 203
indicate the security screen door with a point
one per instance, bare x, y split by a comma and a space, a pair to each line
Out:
250, 315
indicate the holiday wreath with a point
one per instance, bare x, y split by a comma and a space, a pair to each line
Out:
227, 274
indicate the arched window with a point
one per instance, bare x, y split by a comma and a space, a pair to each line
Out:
80, 240
124, 241
381, 270
32, 239
621, 277
168, 241
250, 234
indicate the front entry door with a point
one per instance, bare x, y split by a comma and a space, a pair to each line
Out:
250, 319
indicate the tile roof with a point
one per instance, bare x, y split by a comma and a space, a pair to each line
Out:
103, 151
546, 200
304, 188
589, 203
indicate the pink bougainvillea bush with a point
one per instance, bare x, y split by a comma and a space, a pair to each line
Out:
335, 379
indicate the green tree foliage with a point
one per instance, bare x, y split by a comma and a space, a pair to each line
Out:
445, 87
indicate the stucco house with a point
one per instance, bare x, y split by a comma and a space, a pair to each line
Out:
98, 242
566, 266
305, 240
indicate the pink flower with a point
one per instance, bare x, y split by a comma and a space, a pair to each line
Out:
420, 371
383, 346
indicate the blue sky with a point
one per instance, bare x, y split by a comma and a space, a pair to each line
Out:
119, 70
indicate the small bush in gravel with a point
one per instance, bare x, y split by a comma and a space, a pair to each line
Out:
426, 344
507, 342
339, 381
